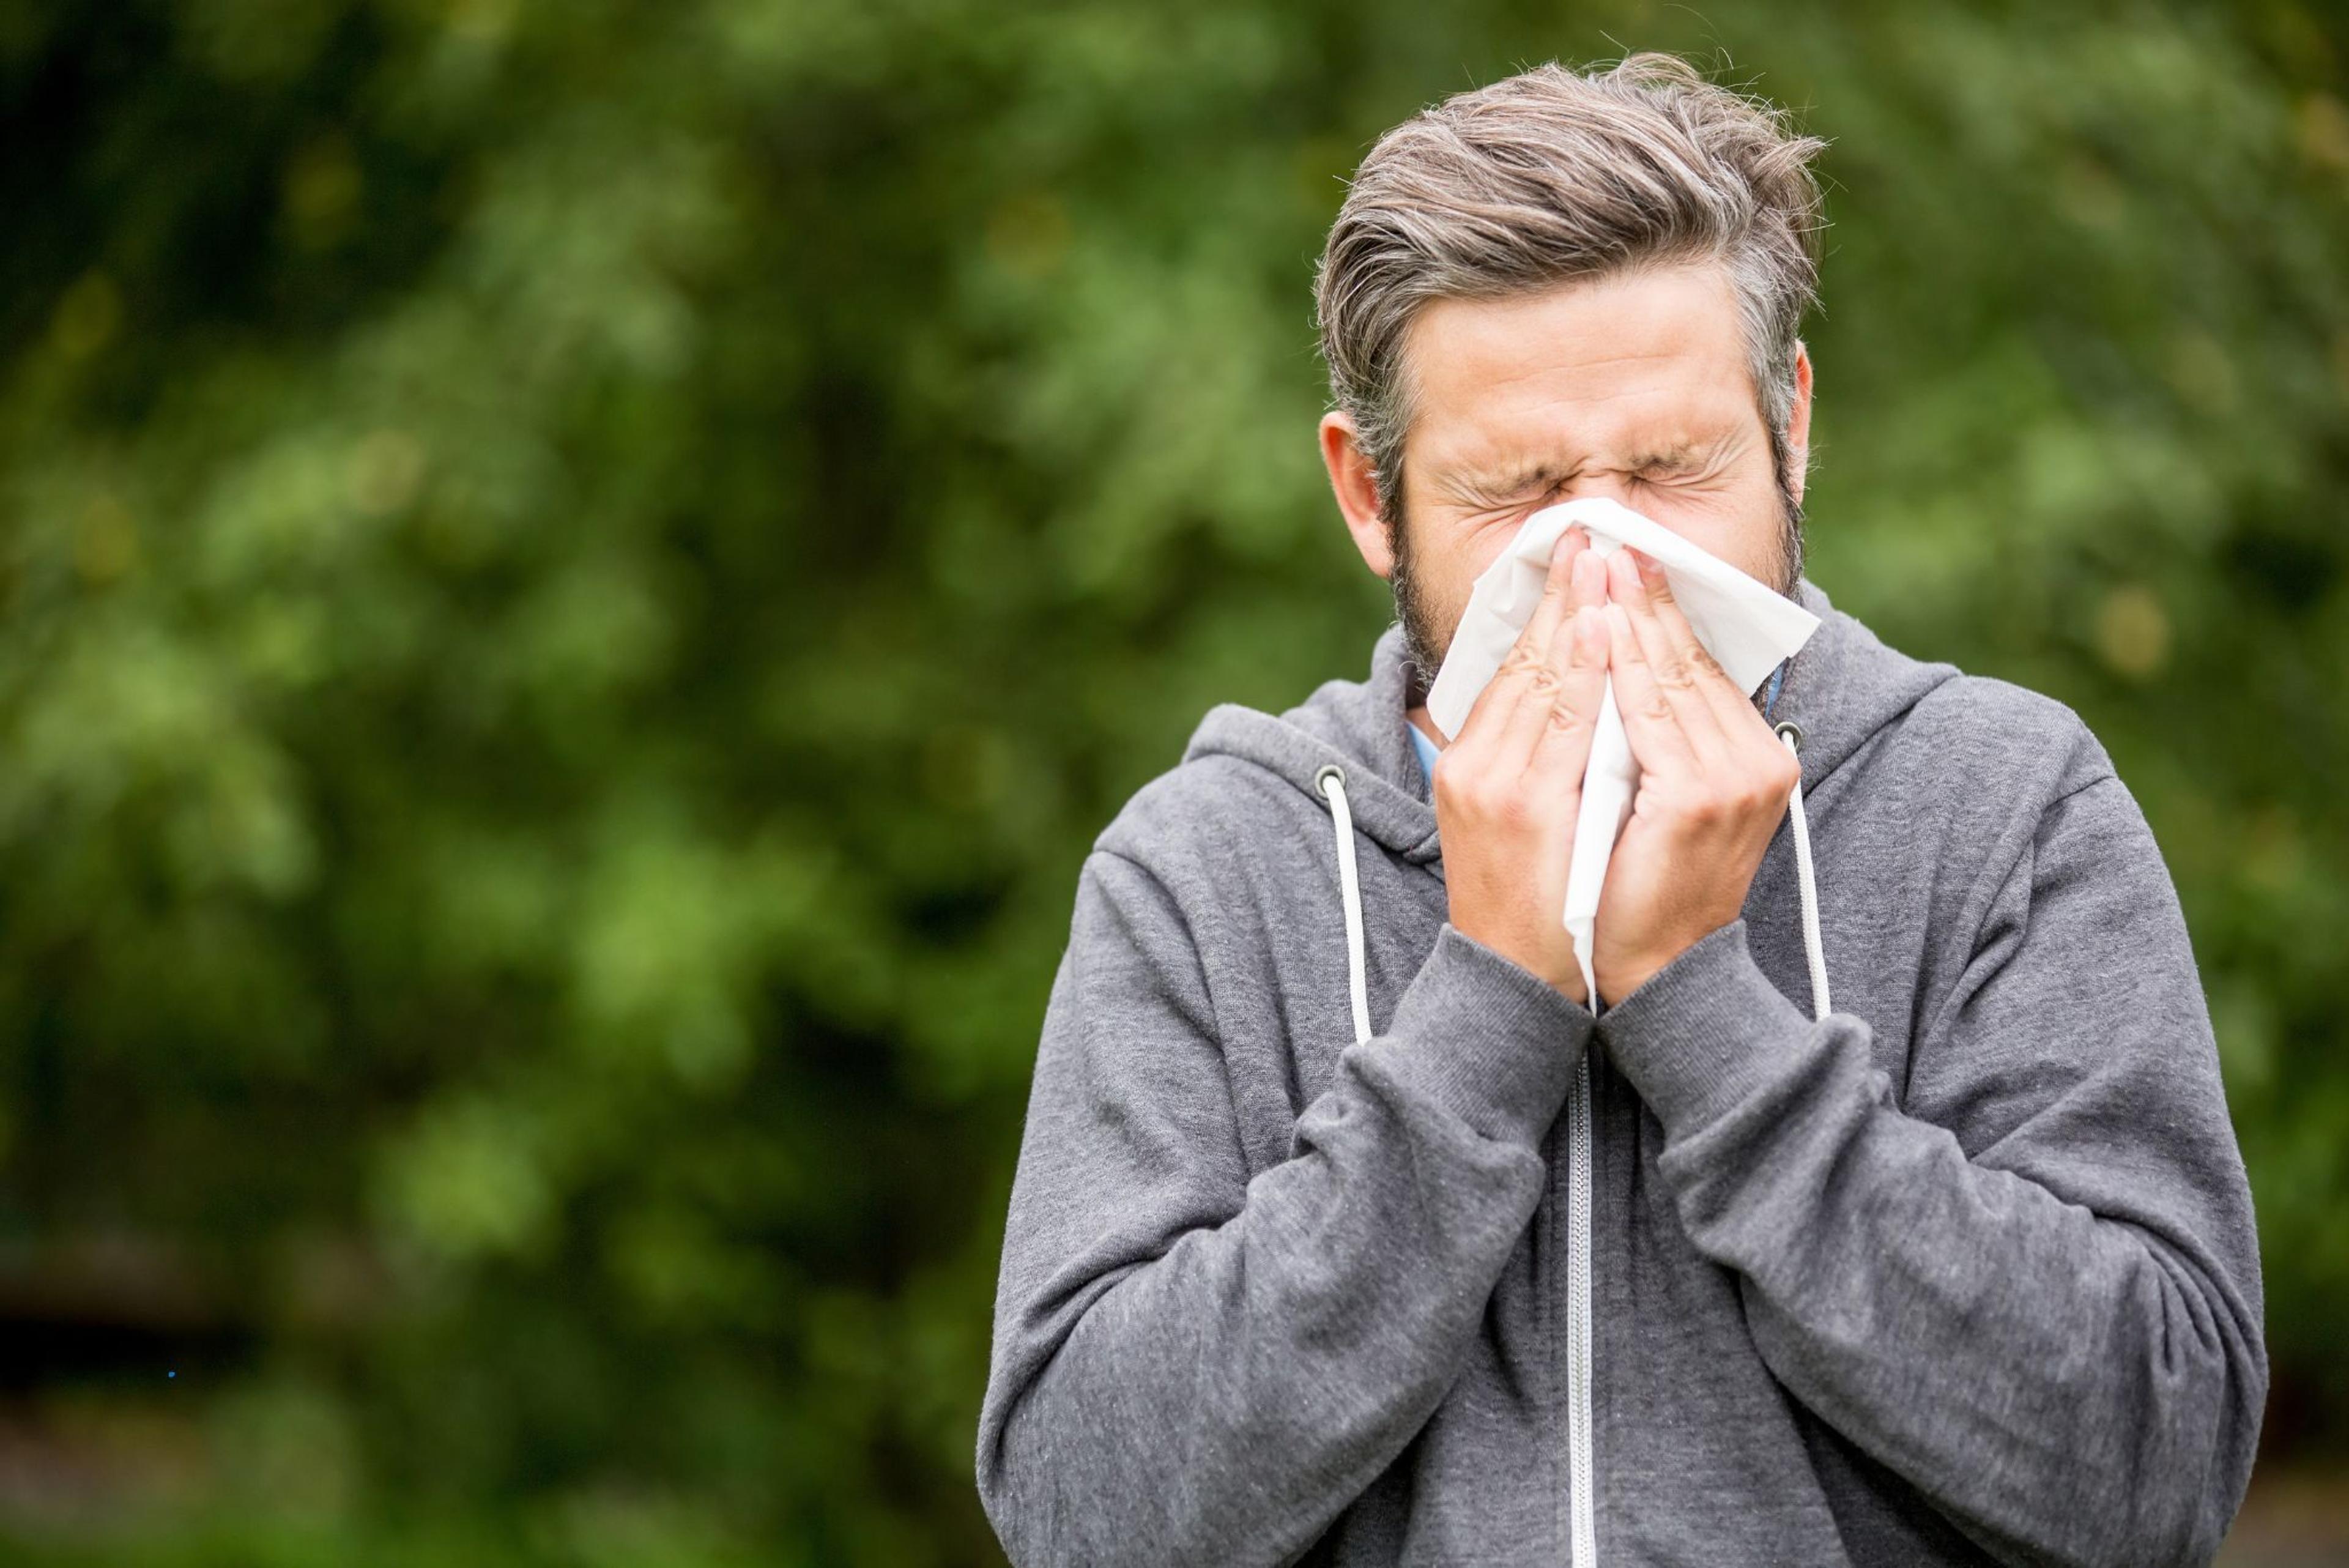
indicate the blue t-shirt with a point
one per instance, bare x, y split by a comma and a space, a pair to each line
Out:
1425, 747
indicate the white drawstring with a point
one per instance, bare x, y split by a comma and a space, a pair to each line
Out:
1331, 779
1331, 782
1814, 946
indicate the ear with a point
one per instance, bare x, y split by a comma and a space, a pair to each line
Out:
1798, 421
1356, 487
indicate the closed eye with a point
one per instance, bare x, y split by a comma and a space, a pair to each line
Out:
1671, 474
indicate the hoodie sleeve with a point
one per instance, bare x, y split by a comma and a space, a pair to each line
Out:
1192, 1365
2033, 1291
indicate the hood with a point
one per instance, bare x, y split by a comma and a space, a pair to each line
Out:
1842, 687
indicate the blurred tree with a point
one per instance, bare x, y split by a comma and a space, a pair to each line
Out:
578, 581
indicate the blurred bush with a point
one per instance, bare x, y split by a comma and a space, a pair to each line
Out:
578, 580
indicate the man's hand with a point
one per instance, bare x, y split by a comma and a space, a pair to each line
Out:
1509, 786
1713, 782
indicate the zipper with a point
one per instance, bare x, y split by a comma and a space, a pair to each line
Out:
1584, 1529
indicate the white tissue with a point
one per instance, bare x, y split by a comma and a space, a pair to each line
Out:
1746, 625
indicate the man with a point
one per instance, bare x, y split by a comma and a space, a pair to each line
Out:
1347, 1229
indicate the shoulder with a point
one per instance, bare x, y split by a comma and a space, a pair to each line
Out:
2031, 806
1192, 825
1979, 779
2004, 740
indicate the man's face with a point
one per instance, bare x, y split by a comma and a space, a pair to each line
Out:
1634, 387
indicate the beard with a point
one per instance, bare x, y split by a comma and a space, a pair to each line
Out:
1427, 632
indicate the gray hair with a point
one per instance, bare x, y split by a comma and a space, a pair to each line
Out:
1555, 175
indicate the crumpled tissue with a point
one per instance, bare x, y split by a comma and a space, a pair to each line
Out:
1745, 625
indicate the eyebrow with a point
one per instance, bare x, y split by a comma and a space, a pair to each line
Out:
1683, 453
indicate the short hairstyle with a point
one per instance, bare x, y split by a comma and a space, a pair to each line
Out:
1555, 175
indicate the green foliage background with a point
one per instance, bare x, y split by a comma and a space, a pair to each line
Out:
578, 580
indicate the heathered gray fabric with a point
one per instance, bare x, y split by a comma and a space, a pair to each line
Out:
1965, 1273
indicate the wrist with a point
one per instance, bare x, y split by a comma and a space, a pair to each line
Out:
1622, 967
1488, 1038
1704, 1031
1559, 971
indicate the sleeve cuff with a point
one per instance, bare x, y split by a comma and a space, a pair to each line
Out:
1487, 1038
1704, 1033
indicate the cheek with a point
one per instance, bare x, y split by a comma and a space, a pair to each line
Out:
1473, 551
1449, 555
1751, 542
1739, 521
1445, 549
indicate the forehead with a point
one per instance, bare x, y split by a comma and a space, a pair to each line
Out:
1596, 370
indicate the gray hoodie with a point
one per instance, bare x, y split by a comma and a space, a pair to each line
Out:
1962, 1271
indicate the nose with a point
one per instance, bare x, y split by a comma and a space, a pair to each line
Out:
1615, 487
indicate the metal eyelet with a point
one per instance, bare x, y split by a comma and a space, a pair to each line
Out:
1324, 774
1788, 727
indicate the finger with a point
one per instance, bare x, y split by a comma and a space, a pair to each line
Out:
1529, 715
1731, 707
1564, 750
1590, 583
1486, 714
1489, 714
1658, 743
1557, 585
1753, 752
1674, 676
